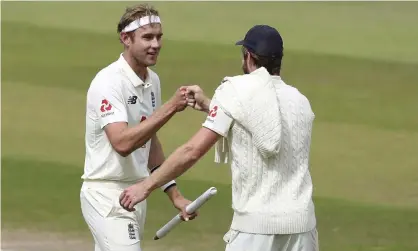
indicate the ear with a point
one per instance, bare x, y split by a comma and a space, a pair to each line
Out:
246, 54
125, 38
250, 59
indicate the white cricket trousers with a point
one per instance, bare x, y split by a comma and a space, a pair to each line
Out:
113, 228
239, 241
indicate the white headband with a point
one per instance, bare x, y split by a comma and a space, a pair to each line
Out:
141, 22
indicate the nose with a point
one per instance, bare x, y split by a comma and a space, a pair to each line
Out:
156, 43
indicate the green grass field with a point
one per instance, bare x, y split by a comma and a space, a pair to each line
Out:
356, 62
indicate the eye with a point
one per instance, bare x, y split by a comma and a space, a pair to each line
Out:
148, 36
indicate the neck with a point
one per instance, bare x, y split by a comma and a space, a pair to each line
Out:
139, 69
252, 67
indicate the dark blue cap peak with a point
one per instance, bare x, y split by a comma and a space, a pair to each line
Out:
263, 40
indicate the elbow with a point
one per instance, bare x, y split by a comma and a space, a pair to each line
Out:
122, 149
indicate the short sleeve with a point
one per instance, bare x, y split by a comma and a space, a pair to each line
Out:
217, 120
107, 102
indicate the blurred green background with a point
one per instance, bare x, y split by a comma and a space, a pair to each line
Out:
357, 62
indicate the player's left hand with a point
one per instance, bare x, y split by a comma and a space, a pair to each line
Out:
181, 203
196, 98
132, 196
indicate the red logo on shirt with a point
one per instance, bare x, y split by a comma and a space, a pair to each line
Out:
212, 112
106, 106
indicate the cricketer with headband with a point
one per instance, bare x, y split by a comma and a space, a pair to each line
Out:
123, 114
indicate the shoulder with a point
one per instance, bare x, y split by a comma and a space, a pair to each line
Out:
294, 95
107, 79
231, 82
292, 92
238, 79
259, 76
238, 87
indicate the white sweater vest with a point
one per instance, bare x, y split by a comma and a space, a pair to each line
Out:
269, 145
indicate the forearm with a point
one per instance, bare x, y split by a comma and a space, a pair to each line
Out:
135, 137
156, 155
178, 163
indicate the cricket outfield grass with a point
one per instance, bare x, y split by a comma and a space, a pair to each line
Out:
356, 62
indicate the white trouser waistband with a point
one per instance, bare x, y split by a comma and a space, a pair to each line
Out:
109, 184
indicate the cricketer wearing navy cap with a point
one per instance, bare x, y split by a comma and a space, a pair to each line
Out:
263, 40
264, 45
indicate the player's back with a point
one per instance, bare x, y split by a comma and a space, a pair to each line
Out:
297, 119
293, 158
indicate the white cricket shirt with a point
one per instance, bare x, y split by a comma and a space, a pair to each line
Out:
117, 94
268, 127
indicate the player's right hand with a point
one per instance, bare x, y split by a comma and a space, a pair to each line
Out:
132, 196
179, 99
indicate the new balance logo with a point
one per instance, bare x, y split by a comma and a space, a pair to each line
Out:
132, 99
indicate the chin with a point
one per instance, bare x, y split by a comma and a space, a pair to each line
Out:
151, 62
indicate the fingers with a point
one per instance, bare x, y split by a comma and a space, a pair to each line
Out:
122, 199
127, 201
183, 91
191, 100
192, 216
186, 96
190, 91
190, 95
131, 205
186, 217
193, 89
189, 217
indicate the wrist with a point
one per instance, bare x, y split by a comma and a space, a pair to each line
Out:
169, 186
174, 194
149, 185
171, 107
206, 105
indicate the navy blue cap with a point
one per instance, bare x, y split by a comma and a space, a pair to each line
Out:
263, 40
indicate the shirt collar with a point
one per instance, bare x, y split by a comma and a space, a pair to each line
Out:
263, 71
133, 78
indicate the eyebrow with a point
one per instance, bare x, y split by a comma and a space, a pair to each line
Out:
152, 34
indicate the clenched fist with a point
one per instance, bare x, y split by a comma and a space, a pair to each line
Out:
197, 99
179, 99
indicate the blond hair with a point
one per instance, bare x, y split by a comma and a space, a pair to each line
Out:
134, 12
